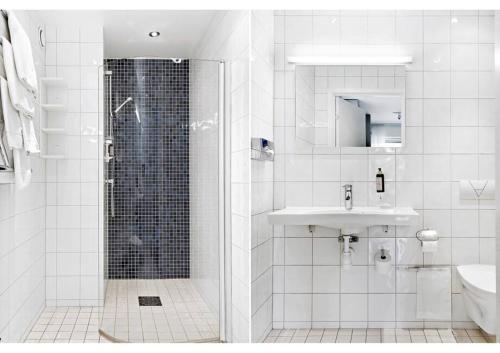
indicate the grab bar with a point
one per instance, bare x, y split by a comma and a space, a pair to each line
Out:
423, 267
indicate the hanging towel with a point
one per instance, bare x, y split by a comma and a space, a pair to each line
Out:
22, 168
2, 67
30, 143
5, 153
4, 27
12, 121
21, 98
434, 294
23, 55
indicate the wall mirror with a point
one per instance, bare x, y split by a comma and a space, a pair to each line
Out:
350, 106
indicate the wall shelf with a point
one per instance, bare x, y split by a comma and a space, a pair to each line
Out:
54, 82
54, 131
52, 88
53, 107
52, 156
6, 177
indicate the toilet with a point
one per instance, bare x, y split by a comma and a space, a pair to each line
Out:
479, 294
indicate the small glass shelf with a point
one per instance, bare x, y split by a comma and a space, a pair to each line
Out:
54, 82
6, 176
54, 131
53, 107
52, 156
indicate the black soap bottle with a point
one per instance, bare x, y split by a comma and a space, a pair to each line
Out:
380, 182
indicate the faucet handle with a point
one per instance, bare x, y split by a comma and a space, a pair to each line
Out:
347, 187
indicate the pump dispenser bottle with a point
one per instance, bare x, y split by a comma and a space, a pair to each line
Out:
380, 182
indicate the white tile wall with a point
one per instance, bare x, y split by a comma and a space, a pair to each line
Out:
22, 232
449, 137
261, 114
228, 40
74, 190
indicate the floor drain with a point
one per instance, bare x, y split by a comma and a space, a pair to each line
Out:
149, 301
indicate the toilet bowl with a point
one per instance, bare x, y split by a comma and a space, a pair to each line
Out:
479, 294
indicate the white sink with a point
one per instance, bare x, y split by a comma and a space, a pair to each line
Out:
340, 218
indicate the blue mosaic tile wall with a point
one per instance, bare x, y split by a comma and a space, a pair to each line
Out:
149, 235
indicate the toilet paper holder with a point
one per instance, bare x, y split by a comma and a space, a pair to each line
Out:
427, 234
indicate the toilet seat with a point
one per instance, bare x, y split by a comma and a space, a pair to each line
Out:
479, 277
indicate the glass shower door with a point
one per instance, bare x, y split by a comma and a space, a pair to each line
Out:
162, 237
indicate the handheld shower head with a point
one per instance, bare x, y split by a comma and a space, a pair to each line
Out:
129, 99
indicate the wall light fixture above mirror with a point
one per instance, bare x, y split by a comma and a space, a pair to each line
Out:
351, 60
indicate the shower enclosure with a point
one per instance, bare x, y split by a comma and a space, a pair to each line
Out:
163, 200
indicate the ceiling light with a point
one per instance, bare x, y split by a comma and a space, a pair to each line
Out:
154, 34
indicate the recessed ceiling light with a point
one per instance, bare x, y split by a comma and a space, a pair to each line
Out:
154, 34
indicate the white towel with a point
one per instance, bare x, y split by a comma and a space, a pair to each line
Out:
22, 53
4, 27
14, 137
22, 168
5, 154
20, 96
12, 120
2, 67
434, 294
6, 161
30, 143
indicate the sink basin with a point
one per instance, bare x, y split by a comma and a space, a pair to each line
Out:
340, 218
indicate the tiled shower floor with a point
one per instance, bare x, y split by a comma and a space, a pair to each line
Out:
344, 335
184, 316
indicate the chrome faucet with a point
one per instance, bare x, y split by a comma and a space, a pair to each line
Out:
348, 196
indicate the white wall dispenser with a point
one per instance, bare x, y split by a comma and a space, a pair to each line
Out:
429, 239
477, 189
383, 261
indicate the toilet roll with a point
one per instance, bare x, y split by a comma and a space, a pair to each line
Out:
429, 246
382, 262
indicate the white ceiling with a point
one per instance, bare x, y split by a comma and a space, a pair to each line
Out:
126, 32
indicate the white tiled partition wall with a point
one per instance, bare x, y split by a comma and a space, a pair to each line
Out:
74, 193
261, 115
449, 137
228, 40
22, 231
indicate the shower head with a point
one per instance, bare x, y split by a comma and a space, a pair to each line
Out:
129, 99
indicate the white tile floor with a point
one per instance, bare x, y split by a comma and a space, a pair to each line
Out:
183, 317
345, 335
67, 324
